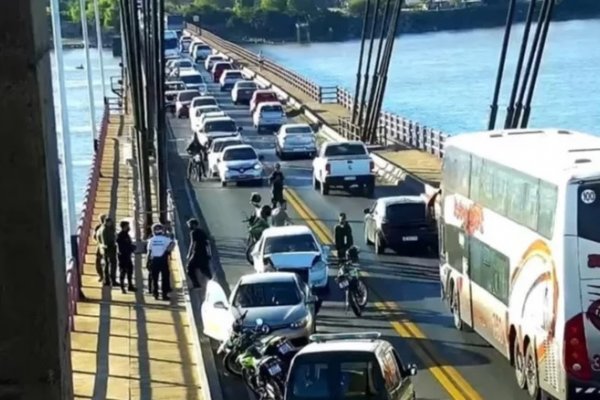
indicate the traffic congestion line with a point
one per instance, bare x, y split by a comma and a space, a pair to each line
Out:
448, 377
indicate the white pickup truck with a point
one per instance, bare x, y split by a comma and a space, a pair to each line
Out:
344, 164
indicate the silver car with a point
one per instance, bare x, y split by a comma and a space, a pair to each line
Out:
279, 299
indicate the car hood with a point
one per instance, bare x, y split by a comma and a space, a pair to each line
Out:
302, 259
274, 316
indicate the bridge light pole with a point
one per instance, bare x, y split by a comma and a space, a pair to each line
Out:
88, 67
360, 60
100, 47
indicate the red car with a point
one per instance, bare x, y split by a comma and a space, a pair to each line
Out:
262, 96
218, 69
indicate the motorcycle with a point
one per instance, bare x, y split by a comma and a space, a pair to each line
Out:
348, 280
237, 342
263, 371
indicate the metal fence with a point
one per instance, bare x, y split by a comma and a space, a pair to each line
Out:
392, 129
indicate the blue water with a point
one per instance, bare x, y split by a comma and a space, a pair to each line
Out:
445, 80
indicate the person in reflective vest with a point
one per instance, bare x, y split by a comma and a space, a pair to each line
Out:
159, 247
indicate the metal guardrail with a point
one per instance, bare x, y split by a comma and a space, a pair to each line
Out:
392, 129
75, 267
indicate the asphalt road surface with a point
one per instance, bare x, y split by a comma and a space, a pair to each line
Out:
404, 303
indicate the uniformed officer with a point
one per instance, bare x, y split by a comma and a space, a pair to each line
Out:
159, 247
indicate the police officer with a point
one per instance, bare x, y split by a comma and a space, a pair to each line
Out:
159, 247
126, 249
198, 253
107, 236
99, 248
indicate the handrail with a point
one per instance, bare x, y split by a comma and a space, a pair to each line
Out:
75, 267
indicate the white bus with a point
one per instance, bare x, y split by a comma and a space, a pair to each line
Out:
520, 252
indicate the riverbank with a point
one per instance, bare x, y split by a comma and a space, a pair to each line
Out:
276, 27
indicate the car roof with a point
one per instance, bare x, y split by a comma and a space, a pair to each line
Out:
268, 278
189, 72
233, 70
387, 201
205, 97
285, 126
355, 345
213, 119
289, 230
213, 114
239, 146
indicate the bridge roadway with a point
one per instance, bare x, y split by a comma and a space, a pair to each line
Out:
404, 292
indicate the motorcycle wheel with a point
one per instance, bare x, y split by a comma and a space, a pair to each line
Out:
362, 294
250, 381
231, 365
353, 304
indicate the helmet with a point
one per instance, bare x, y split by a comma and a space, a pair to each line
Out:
255, 198
265, 211
352, 254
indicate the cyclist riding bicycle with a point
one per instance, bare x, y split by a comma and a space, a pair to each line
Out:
259, 225
196, 151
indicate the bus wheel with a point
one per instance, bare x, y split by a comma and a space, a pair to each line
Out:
519, 365
454, 306
531, 372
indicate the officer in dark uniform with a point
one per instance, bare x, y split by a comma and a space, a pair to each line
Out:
126, 249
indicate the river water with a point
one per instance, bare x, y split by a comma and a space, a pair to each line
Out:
443, 80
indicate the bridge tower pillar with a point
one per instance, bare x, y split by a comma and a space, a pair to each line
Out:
34, 335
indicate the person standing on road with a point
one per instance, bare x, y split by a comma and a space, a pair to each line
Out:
198, 256
277, 181
126, 249
99, 247
108, 240
279, 216
343, 236
159, 247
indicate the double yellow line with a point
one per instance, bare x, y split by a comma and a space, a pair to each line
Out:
448, 377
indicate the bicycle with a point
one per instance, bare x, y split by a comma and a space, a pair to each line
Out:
196, 168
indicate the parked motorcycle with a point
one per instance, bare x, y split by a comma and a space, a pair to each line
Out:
348, 280
237, 342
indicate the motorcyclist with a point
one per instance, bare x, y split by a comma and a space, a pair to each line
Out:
277, 181
255, 200
260, 224
196, 151
352, 254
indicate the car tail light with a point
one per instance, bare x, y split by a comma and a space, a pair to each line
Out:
372, 165
576, 358
328, 168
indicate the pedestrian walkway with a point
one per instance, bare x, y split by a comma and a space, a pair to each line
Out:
130, 346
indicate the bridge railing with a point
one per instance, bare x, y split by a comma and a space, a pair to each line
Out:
392, 129
75, 267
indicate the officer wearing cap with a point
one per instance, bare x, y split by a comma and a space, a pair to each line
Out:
159, 247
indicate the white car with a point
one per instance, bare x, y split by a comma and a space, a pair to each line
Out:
183, 102
295, 139
214, 128
229, 78
293, 249
203, 101
213, 58
269, 116
215, 151
193, 80
211, 115
197, 112
242, 92
240, 163
200, 51
179, 66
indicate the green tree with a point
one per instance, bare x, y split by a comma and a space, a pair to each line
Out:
277, 5
304, 7
108, 9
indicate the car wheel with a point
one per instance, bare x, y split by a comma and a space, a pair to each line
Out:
519, 361
455, 309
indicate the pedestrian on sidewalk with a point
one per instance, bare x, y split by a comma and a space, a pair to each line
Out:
126, 249
279, 216
99, 247
159, 247
198, 256
108, 240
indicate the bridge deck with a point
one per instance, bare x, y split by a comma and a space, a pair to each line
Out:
423, 166
129, 346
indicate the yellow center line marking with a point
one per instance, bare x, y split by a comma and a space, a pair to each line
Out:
448, 377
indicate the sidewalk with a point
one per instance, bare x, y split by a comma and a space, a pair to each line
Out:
130, 346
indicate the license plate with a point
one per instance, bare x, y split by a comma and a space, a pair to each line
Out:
343, 284
409, 238
350, 178
284, 348
274, 369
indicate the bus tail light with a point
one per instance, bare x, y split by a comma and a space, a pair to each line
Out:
328, 168
575, 349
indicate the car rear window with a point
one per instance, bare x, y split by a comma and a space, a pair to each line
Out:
192, 79
234, 74
246, 85
184, 64
266, 97
220, 126
223, 65
218, 147
206, 102
290, 244
244, 153
345, 149
406, 213
203, 47
202, 111
274, 108
299, 129
267, 294
187, 95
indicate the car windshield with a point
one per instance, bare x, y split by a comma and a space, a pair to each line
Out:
405, 213
345, 149
267, 294
240, 154
335, 375
205, 110
191, 79
246, 85
219, 146
203, 47
184, 64
273, 108
203, 102
298, 129
290, 244
187, 95
220, 126
266, 97
170, 43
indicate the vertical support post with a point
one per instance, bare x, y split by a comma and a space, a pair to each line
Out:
494, 106
88, 68
360, 59
160, 111
370, 52
100, 46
